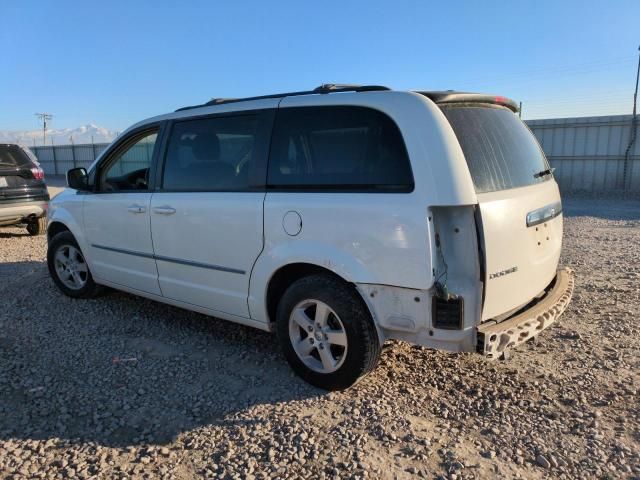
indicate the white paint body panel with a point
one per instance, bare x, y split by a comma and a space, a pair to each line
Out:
534, 251
364, 238
218, 229
108, 223
67, 210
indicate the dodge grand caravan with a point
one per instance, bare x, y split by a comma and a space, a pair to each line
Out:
339, 218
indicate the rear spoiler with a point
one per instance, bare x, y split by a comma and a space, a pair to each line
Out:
450, 96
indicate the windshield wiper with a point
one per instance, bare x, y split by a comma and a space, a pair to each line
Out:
543, 173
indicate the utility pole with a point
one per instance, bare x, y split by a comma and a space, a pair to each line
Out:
520, 111
635, 94
73, 151
44, 117
634, 127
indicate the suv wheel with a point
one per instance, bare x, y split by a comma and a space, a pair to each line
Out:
69, 269
326, 332
37, 226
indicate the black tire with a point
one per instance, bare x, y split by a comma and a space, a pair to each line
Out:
363, 347
37, 226
90, 288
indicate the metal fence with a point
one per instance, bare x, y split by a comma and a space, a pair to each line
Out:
56, 160
588, 153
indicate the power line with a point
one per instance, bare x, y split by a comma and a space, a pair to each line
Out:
589, 100
580, 103
578, 68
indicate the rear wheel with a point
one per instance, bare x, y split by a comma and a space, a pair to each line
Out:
37, 226
326, 332
69, 269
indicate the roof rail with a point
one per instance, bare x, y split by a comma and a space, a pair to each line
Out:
322, 89
347, 87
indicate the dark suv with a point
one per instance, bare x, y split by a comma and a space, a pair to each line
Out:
23, 194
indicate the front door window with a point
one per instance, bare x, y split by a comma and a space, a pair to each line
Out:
129, 170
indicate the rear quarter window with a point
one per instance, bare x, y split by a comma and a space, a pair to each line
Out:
501, 152
338, 149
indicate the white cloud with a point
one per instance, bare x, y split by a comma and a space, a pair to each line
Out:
80, 135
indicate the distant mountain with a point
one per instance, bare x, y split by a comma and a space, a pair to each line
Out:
63, 136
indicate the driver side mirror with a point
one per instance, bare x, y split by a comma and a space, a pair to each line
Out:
78, 179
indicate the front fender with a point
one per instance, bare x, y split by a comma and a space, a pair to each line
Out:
67, 208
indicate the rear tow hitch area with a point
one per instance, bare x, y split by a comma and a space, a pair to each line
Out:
495, 339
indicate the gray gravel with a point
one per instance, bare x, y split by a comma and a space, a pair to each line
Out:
122, 387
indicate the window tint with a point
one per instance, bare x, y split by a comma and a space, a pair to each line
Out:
211, 154
338, 148
129, 169
500, 150
13, 156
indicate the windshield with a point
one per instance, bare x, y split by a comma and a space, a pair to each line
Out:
500, 150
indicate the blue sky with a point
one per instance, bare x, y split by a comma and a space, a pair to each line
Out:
114, 63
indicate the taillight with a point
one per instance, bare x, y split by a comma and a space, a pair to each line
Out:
38, 173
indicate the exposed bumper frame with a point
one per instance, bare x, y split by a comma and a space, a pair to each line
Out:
495, 338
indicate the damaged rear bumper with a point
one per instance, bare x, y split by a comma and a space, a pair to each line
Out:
495, 338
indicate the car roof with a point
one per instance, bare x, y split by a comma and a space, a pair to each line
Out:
439, 97
223, 105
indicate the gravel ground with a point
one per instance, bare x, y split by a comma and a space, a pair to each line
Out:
122, 387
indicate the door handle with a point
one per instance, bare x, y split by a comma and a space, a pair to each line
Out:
164, 210
136, 209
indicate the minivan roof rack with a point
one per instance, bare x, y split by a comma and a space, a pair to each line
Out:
322, 89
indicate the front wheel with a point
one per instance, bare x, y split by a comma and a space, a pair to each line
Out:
326, 332
69, 269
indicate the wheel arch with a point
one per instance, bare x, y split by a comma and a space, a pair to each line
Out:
55, 228
287, 274
67, 218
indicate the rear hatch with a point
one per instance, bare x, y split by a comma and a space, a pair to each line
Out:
519, 213
21, 178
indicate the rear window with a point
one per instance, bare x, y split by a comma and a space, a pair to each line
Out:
13, 156
500, 150
338, 149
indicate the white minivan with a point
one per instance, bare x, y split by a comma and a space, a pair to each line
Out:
339, 218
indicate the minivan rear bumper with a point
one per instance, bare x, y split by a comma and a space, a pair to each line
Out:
494, 338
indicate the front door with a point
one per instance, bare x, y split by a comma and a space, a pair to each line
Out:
206, 216
116, 216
